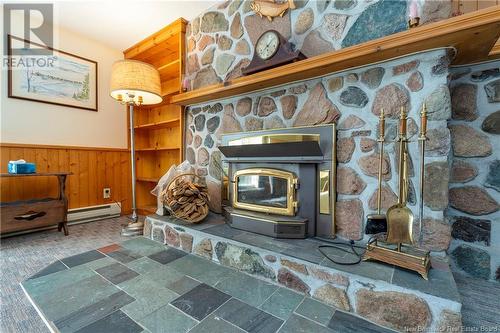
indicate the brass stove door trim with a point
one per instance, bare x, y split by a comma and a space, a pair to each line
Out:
324, 191
292, 183
333, 182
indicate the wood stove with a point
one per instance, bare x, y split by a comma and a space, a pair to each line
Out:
281, 183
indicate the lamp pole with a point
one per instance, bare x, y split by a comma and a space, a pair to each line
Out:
135, 227
132, 157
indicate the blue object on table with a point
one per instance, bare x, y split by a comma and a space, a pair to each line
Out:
22, 168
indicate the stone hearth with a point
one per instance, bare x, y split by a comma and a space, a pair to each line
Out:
462, 161
355, 98
387, 295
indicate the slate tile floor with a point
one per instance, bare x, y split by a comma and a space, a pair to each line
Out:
22, 256
143, 286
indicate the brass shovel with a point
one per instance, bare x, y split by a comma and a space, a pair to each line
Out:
400, 217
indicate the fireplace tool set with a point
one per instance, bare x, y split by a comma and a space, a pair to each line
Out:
377, 223
399, 246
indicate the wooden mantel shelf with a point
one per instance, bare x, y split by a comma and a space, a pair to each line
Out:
473, 36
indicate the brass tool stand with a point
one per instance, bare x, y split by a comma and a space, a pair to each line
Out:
394, 249
401, 255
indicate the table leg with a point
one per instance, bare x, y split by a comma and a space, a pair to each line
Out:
62, 196
65, 228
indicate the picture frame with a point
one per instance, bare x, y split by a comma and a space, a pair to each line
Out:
62, 78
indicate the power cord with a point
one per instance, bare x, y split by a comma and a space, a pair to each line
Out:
349, 248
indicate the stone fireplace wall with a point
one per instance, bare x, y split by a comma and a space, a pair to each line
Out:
475, 172
354, 98
220, 40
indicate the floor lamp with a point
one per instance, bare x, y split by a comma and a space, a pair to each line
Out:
134, 83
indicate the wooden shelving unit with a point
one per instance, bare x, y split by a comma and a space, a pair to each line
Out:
472, 35
149, 180
159, 128
158, 125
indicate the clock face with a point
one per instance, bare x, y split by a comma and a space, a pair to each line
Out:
267, 45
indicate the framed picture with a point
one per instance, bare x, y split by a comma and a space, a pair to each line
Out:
61, 78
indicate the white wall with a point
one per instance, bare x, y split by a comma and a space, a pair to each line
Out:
39, 123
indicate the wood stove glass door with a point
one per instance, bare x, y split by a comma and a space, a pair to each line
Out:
265, 190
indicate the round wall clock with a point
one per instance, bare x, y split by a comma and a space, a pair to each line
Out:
267, 45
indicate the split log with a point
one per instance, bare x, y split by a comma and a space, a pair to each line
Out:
186, 196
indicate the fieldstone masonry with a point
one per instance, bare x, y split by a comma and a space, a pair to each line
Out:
221, 40
352, 100
474, 212
464, 154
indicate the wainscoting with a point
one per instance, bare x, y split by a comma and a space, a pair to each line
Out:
93, 170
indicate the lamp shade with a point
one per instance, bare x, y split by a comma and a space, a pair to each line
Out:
132, 77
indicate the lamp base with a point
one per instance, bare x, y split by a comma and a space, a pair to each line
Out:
129, 233
134, 228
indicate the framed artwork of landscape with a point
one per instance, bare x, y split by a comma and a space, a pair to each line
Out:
60, 78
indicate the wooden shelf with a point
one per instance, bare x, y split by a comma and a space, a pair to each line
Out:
163, 42
170, 87
158, 125
164, 50
170, 70
157, 148
147, 180
473, 35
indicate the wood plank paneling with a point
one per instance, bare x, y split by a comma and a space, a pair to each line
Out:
93, 168
93, 190
125, 181
30, 187
16, 154
101, 172
74, 180
83, 179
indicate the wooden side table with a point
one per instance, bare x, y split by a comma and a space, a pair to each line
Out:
36, 213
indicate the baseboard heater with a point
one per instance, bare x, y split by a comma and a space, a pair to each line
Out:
93, 213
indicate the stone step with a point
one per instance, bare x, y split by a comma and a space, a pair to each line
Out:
387, 295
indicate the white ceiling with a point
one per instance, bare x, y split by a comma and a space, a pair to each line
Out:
120, 24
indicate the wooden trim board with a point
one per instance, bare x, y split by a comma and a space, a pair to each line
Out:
473, 35
22, 145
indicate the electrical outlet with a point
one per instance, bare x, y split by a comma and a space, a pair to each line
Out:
106, 193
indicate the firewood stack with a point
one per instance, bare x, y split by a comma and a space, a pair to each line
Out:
186, 199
